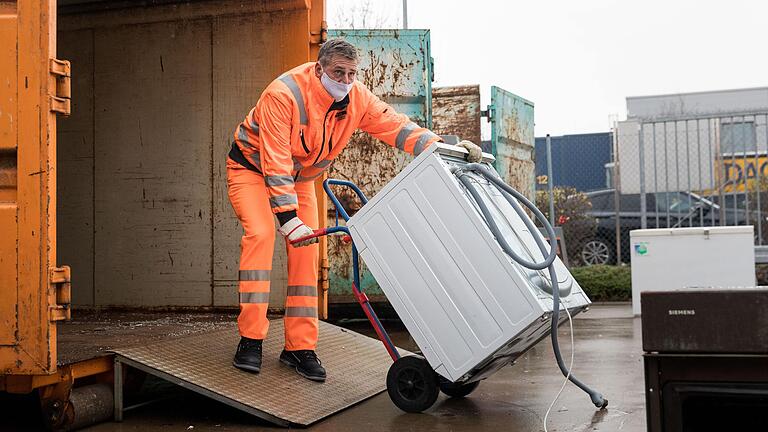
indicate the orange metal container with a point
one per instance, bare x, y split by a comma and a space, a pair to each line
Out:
35, 293
34, 88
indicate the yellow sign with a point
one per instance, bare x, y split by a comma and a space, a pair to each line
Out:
741, 171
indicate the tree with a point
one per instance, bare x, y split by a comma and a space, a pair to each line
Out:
364, 14
571, 207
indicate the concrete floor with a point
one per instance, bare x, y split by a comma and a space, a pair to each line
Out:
608, 358
93, 333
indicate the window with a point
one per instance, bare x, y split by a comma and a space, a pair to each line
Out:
630, 203
602, 202
674, 202
737, 137
739, 200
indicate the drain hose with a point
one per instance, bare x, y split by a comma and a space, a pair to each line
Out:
510, 194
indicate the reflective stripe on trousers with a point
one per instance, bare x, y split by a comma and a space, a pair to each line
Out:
248, 194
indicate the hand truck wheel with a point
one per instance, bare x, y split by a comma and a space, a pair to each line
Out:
412, 384
457, 390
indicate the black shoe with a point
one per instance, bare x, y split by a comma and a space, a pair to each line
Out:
306, 363
248, 355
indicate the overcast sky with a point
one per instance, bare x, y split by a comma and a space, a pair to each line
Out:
578, 60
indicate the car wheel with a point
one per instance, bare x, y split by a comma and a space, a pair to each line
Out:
596, 252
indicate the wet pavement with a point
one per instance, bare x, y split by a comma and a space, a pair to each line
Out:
608, 358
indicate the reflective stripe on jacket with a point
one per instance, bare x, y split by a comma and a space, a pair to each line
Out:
296, 130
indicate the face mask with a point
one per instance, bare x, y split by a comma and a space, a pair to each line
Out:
337, 90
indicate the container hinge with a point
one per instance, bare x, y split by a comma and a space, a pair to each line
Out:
431, 69
61, 281
323, 279
60, 100
489, 112
320, 37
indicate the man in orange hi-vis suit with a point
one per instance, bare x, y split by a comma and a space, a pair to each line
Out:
301, 122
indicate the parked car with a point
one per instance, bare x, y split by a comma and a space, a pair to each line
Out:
663, 210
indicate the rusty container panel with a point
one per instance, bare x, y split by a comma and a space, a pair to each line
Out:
512, 140
397, 66
456, 111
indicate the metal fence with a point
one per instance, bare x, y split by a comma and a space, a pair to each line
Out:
668, 173
573, 189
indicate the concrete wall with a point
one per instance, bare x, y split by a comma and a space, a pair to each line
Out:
144, 219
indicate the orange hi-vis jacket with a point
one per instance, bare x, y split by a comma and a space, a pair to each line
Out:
296, 130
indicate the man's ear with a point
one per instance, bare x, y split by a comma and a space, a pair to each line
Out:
318, 70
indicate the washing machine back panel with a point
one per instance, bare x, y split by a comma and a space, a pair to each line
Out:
460, 296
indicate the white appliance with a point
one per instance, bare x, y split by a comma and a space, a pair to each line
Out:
469, 307
675, 258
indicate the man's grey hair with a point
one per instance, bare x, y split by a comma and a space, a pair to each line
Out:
336, 47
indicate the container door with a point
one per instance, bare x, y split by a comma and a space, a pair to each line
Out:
397, 67
34, 86
512, 141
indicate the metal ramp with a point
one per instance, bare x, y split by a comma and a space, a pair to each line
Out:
357, 368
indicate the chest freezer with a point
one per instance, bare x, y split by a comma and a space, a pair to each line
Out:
667, 259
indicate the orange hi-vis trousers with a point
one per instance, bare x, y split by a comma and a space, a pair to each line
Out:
250, 200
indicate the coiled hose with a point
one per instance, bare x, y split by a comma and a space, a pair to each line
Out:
510, 194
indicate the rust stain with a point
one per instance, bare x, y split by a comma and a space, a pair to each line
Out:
389, 70
456, 111
519, 174
511, 127
366, 161
515, 155
370, 164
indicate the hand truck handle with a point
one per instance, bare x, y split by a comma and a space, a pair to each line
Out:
326, 231
327, 186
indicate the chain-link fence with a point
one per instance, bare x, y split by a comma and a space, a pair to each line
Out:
573, 174
670, 173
